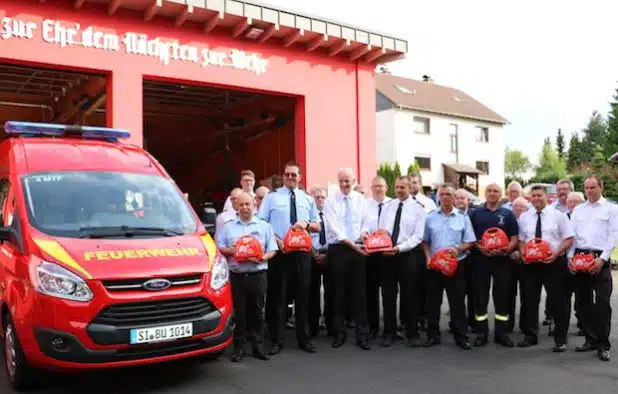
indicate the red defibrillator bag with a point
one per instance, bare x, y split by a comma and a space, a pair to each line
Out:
297, 241
536, 250
445, 261
248, 247
378, 241
494, 238
583, 262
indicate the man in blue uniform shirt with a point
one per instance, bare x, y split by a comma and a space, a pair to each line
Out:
493, 265
248, 279
446, 228
285, 208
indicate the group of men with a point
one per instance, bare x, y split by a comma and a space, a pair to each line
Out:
353, 279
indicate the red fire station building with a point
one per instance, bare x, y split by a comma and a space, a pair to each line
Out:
209, 87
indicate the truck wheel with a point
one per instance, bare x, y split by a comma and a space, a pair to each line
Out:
19, 373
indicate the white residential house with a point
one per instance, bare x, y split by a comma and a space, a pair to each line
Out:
453, 137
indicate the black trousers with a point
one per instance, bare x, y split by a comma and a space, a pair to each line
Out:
289, 271
373, 292
499, 270
319, 279
517, 290
594, 293
249, 296
347, 272
469, 283
576, 306
555, 278
403, 271
435, 284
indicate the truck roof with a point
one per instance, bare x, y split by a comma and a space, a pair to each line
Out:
41, 154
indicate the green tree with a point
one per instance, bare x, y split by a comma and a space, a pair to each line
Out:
595, 134
551, 168
414, 167
574, 154
611, 144
516, 163
560, 144
390, 174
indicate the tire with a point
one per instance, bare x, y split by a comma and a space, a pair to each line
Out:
20, 375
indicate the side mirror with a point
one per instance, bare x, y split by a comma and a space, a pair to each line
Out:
5, 234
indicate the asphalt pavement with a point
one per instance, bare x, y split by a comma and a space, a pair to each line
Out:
399, 369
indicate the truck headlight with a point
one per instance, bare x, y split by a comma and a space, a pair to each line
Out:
55, 281
220, 274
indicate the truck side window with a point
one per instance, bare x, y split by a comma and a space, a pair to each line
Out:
8, 208
4, 194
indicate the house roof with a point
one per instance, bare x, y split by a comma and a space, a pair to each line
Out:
433, 98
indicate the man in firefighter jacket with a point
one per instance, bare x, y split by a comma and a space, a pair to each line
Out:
493, 265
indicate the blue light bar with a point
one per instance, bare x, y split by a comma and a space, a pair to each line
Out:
58, 130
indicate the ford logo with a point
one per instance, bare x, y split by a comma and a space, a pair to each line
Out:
157, 284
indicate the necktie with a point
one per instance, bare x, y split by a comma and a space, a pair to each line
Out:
395, 233
379, 211
322, 230
538, 233
569, 215
348, 218
293, 218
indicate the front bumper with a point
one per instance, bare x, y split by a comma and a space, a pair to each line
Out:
73, 353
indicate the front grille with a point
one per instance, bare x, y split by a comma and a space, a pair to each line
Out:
138, 284
154, 312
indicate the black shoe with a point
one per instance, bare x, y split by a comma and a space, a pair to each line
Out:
561, 348
258, 352
414, 342
338, 341
386, 342
430, 342
399, 336
275, 349
363, 344
527, 342
586, 347
604, 355
504, 341
464, 344
307, 347
238, 355
480, 341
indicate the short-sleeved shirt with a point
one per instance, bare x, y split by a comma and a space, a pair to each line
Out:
234, 229
483, 219
275, 209
447, 230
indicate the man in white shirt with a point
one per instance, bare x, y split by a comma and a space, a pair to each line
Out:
229, 214
344, 214
404, 219
247, 182
554, 227
376, 205
595, 223
416, 185
319, 271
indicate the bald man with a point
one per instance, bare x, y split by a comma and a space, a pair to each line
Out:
229, 214
260, 194
345, 216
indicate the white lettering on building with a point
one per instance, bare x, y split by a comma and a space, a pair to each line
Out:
72, 35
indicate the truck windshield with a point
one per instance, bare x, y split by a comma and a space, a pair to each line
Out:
105, 204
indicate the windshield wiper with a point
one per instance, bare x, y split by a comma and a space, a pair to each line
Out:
127, 231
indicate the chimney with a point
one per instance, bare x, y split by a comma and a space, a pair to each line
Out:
427, 78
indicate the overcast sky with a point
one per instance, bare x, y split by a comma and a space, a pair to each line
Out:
542, 64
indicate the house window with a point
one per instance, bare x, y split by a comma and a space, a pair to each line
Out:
483, 167
424, 163
483, 134
453, 137
421, 125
